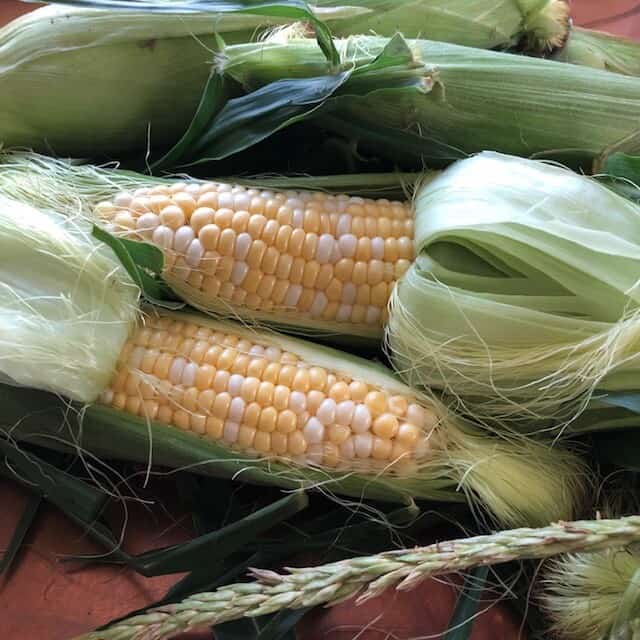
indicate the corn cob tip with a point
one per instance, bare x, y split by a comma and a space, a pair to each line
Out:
547, 28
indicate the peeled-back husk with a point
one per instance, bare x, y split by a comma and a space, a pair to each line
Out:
66, 304
524, 298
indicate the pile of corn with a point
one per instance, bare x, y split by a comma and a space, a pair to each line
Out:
497, 293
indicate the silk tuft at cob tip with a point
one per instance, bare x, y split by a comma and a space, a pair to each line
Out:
547, 25
592, 596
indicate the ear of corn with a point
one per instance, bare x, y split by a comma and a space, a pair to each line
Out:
269, 395
62, 71
533, 25
312, 258
314, 415
469, 100
523, 300
486, 24
390, 444
310, 261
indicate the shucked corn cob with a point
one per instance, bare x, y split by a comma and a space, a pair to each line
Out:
315, 256
275, 408
241, 388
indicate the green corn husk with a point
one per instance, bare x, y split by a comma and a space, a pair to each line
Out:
76, 81
523, 302
519, 481
600, 51
456, 99
81, 81
62, 71
536, 26
486, 24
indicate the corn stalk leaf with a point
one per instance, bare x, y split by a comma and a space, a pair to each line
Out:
244, 629
22, 527
629, 400
212, 548
81, 502
277, 626
621, 173
624, 166
212, 101
144, 263
281, 626
618, 448
247, 120
78, 499
463, 617
291, 9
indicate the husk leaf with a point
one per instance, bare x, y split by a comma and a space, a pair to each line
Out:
485, 24
601, 51
66, 304
470, 100
523, 300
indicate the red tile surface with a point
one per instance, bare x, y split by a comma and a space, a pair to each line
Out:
621, 17
46, 597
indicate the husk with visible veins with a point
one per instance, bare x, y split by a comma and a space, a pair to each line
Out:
89, 82
600, 51
485, 24
470, 100
83, 82
523, 302
368, 576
